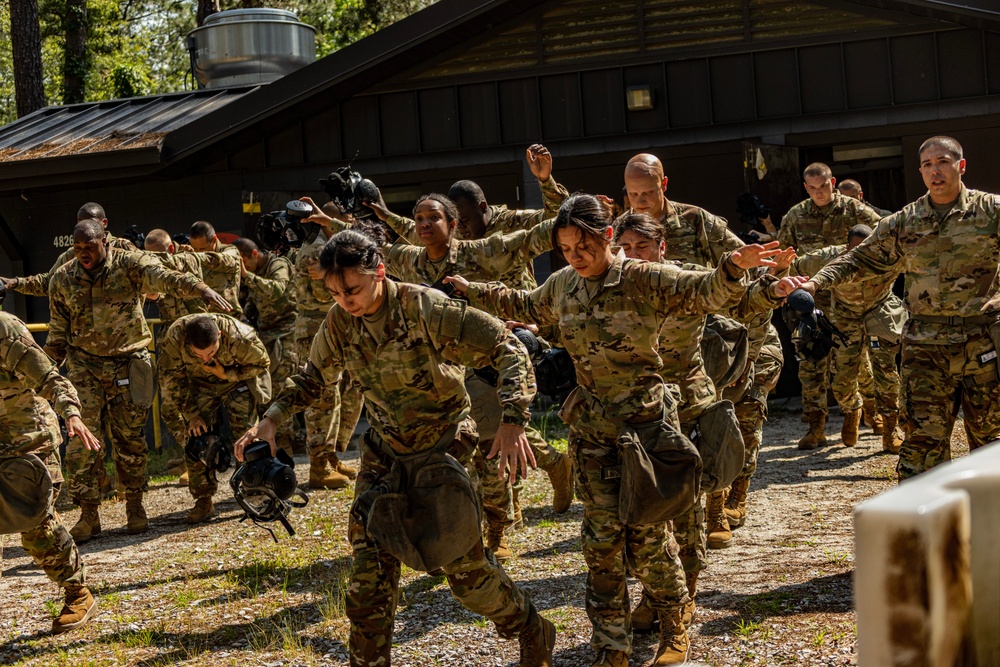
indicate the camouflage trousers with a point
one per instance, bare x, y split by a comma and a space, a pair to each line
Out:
241, 407
108, 411
609, 546
866, 376
331, 421
937, 380
850, 362
52, 548
476, 580
751, 407
284, 355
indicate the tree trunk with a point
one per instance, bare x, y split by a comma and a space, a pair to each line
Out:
26, 44
76, 60
205, 9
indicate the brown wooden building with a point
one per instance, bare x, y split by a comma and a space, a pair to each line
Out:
459, 89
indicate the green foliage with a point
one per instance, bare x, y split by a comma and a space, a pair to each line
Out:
137, 47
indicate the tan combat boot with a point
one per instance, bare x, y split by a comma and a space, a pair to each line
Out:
79, 608
736, 503
561, 477
644, 617
89, 524
496, 540
183, 479
321, 476
537, 641
674, 644
816, 437
687, 615
609, 657
892, 437
849, 431
203, 510
135, 515
345, 470
719, 534
872, 417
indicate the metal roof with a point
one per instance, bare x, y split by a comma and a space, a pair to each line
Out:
115, 125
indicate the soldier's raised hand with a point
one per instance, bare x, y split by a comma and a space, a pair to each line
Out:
8, 283
755, 254
788, 284
461, 284
539, 161
76, 428
381, 210
197, 426
264, 430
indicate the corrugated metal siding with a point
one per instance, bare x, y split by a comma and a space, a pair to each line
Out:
583, 30
107, 126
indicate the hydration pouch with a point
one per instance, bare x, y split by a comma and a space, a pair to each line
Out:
25, 493
428, 513
886, 322
720, 444
661, 473
141, 381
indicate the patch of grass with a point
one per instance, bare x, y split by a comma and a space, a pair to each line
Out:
53, 608
547, 523
841, 558
771, 603
819, 638
746, 629
481, 622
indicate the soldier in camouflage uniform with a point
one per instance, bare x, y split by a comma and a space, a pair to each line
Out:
330, 422
209, 361
203, 239
29, 426
437, 254
947, 244
691, 235
219, 271
866, 381
822, 220
407, 346
38, 284
853, 303
271, 292
609, 310
96, 326
641, 238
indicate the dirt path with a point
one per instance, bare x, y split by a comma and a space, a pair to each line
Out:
225, 594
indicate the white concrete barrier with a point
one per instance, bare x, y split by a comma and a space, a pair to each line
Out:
927, 577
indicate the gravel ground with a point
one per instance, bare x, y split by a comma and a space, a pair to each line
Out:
224, 593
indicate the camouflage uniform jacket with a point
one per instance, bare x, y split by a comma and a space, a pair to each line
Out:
218, 271
851, 300
486, 259
613, 336
311, 296
694, 235
102, 315
951, 266
240, 353
27, 376
806, 227
38, 284
273, 292
414, 379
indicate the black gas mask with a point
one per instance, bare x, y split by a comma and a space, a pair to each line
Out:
349, 190
280, 231
812, 332
266, 488
209, 449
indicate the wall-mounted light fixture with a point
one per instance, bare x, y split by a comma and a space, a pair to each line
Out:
639, 98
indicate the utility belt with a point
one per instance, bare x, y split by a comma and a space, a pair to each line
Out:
955, 320
425, 511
